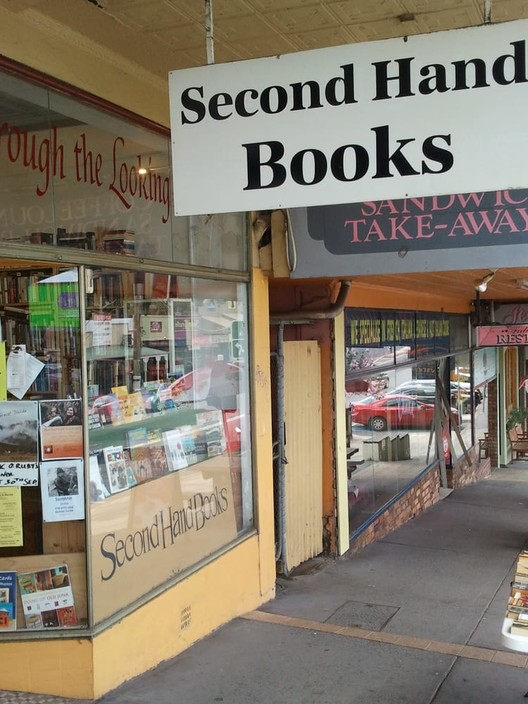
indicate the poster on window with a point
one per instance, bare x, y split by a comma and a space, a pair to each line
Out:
18, 443
61, 431
62, 490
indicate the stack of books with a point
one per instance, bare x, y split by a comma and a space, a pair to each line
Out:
119, 242
518, 599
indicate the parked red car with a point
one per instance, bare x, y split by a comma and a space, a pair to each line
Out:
394, 411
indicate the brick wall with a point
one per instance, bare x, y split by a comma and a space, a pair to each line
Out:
468, 470
493, 429
415, 501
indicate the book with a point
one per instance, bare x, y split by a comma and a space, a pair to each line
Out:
137, 440
212, 423
518, 596
519, 629
98, 480
135, 407
521, 570
517, 613
521, 579
189, 447
119, 241
115, 468
47, 598
158, 458
200, 443
8, 601
523, 556
42, 238
172, 440
131, 477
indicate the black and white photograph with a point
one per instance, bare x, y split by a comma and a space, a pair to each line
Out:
62, 490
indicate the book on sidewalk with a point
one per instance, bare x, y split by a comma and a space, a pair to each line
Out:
519, 628
517, 613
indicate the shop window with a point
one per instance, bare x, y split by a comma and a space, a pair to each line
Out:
82, 178
42, 484
168, 416
393, 363
165, 475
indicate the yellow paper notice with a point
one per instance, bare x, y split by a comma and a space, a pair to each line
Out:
11, 534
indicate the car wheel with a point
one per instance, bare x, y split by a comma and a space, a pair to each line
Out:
378, 423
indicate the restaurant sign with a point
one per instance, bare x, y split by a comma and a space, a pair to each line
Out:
502, 335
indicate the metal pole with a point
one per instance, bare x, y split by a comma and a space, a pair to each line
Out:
487, 11
209, 38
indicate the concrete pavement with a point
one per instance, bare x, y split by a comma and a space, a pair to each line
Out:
415, 617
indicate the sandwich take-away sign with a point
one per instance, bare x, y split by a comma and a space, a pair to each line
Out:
414, 116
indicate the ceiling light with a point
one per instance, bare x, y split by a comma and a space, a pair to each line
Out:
482, 285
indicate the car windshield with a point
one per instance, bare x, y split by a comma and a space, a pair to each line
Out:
369, 399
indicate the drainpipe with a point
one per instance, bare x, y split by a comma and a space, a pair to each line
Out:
281, 319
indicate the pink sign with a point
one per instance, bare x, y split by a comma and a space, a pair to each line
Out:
502, 335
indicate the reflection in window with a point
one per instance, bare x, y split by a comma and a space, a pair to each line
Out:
168, 414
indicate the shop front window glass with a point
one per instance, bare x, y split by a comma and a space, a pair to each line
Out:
169, 436
390, 441
395, 406
82, 178
42, 475
484, 372
462, 399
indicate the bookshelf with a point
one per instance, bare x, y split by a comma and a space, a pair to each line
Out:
45, 318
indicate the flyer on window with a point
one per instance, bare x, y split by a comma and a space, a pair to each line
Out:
47, 598
18, 443
11, 530
62, 490
61, 431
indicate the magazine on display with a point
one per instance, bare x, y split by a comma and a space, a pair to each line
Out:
116, 468
8, 601
98, 481
173, 442
158, 456
47, 598
139, 454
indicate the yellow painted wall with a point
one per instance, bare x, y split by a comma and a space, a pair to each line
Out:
62, 667
164, 627
159, 631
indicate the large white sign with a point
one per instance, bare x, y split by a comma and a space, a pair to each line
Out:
421, 115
